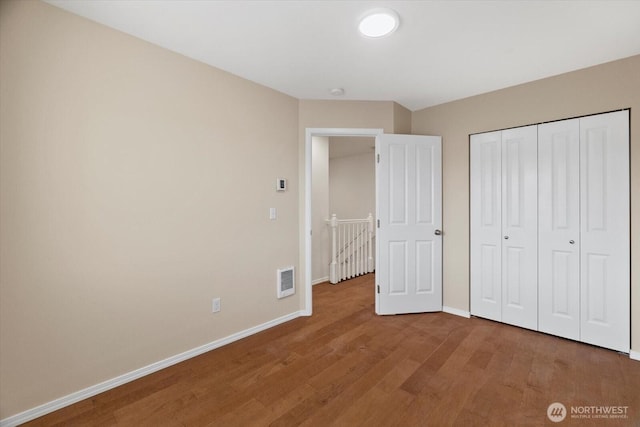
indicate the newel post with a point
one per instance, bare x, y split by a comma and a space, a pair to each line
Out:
369, 245
333, 268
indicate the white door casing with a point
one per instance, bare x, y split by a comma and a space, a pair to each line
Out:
605, 230
559, 228
409, 238
307, 233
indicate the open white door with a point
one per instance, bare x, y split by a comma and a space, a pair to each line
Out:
409, 213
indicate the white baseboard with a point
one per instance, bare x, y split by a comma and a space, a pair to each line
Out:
456, 311
320, 280
635, 355
72, 398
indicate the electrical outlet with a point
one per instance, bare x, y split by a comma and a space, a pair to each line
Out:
215, 306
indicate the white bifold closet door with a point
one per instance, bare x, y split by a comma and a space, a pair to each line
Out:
486, 225
584, 261
559, 228
504, 197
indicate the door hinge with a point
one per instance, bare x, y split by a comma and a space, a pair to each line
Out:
378, 223
378, 288
378, 158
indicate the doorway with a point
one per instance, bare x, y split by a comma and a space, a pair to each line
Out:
343, 203
308, 208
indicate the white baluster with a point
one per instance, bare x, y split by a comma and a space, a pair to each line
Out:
362, 247
356, 252
340, 253
346, 250
350, 251
369, 246
359, 249
343, 260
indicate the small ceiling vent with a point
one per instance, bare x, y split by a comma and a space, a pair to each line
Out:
286, 282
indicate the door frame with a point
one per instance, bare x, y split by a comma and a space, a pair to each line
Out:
306, 249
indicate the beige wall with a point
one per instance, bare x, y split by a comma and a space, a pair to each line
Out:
598, 89
352, 186
135, 186
345, 114
401, 119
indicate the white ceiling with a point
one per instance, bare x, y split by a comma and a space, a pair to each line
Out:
442, 51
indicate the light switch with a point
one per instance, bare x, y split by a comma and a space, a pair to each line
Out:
281, 184
272, 213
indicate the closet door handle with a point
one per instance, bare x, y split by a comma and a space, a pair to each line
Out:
506, 237
571, 242
437, 232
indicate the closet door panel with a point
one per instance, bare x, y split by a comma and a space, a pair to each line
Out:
520, 227
486, 202
559, 228
605, 230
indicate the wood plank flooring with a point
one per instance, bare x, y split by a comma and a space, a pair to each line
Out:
345, 366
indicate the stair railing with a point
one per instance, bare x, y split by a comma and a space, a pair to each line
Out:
351, 247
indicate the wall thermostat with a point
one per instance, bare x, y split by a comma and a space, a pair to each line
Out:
281, 184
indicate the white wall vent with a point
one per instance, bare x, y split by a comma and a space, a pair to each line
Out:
286, 282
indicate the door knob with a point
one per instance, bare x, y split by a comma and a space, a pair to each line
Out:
571, 242
437, 232
506, 237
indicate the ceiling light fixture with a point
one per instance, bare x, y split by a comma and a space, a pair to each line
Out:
336, 91
379, 23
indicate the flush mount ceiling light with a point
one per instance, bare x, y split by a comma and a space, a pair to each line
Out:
336, 91
379, 23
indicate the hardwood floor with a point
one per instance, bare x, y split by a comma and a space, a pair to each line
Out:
345, 366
